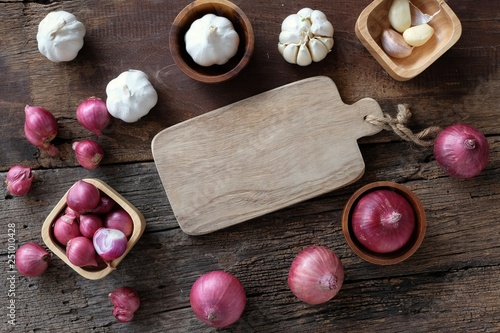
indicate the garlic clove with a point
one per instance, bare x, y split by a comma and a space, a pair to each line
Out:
304, 57
290, 53
400, 15
418, 35
418, 17
318, 50
394, 44
289, 37
327, 41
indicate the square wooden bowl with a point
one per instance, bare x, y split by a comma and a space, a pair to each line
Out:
93, 273
374, 19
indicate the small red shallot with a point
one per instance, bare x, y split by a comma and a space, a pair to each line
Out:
93, 115
32, 259
89, 224
19, 180
106, 204
461, 150
383, 221
40, 128
83, 197
110, 244
65, 228
119, 219
217, 298
316, 275
89, 153
125, 302
81, 252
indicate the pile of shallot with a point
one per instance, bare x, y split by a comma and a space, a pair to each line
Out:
93, 228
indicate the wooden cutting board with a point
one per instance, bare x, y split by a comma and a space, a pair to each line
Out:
261, 154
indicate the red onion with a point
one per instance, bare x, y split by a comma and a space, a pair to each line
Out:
89, 153
19, 180
89, 223
65, 228
93, 115
217, 298
316, 275
106, 204
119, 219
126, 301
109, 243
32, 259
383, 221
81, 252
461, 150
83, 197
40, 128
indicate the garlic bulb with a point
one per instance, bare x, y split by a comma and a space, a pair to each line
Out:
60, 36
305, 37
130, 96
211, 40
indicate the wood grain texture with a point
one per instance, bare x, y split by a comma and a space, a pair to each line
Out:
449, 285
262, 154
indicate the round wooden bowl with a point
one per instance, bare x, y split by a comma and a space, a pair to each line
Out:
215, 73
103, 269
374, 19
385, 258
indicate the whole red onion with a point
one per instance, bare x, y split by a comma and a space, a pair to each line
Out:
80, 252
106, 204
89, 153
32, 259
19, 180
40, 128
217, 298
119, 219
383, 221
65, 228
125, 301
93, 115
316, 275
89, 224
83, 197
461, 150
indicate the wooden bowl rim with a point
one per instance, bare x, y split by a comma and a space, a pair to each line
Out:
188, 70
395, 71
137, 218
385, 258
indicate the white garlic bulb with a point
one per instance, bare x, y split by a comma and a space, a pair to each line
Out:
60, 36
211, 40
305, 37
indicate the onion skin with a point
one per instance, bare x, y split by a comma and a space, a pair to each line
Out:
462, 151
119, 219
40, 128
106, 204
125, 301
89, 224
83, 197
19, 180
80, 252
88, 153
383, 221
93, 115
65, 228
217, 298
316, 275
32, 259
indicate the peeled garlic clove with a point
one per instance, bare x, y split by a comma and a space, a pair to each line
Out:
394, 44
400, 15
418, 35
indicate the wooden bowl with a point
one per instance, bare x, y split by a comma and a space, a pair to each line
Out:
215, 73
374, 19
93, 273
385, 258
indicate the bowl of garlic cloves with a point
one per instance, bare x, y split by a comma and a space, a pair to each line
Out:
407, 36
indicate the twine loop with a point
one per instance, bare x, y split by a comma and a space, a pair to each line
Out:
399, 126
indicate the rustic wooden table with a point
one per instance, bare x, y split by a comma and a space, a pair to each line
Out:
450, 284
